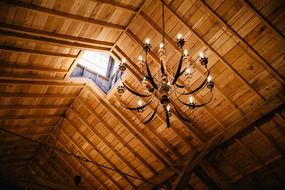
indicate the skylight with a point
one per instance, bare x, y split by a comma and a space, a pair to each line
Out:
100, 67
95, 62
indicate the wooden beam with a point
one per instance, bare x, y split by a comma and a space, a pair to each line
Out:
228, 65
32, 107
64, 15
52, 41
264, 63
118, 5
203, 176
103, 156
85, 155
120, 139
133, 129
29, 95
5, 66
263, 19
58, 36
37, 52
36, 116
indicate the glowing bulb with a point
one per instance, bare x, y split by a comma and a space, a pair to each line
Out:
140, 103
168, 108
123, 60
179, 36
161, 45
188, 71
202, 55
185, 52
191, 99
147, 41
209, 78
140, 58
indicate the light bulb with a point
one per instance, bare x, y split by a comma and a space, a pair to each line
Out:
140, 58
147, 41
185, 52
179, 36
191, 99
161, 45
140, 103
188, 71
123, 60
209, 78
168, 107
202, 55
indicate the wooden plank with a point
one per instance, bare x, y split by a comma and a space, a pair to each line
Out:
118, 5
37, 52
31, 107
28, 95
51, 41
36, 32
64, 15
30, 68
45, 83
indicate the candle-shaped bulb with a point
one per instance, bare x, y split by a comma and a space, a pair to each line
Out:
123, 60
202, 55
140, 103
191, 100
161, 45
147, 41
168, 107
185, 52
188, 71
179, 36
140, 58
209, 78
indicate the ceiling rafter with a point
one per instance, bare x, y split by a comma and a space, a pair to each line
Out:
229, 66
120, 139
64, 15
118, 5
262, 61
30, 68
152, 24
263, 19
195, 132
29, 95
144, 139
52, 41
35, 116
61, 83
37, 52
88, 157
53, 35
32, 107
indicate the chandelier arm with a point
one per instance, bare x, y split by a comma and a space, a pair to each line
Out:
199, 105
178, 71
152, 115
134, 92
162, 67
138, 107
181, 116
150, 77
198, 88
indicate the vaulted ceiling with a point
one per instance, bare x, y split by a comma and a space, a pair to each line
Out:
53, 127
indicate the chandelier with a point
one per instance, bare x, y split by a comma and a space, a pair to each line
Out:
165, 84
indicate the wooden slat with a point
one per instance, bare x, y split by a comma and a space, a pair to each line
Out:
238, 75
52, 41
37, 52
262, 61
28, 95
63, 15
12, 117
118, 5
31, 107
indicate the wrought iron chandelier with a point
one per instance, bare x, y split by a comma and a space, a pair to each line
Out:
165, 84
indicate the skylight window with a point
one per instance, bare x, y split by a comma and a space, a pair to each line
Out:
100, 67
95, 62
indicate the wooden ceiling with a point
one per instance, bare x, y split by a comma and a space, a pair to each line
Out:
53, 127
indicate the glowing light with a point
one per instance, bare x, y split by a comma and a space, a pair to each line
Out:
123, 60
185, 52
179, 36
140, 103
191, 99
147, 41
209, 78
202, 55
161, 45
188, 71
140, 58
168, 108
